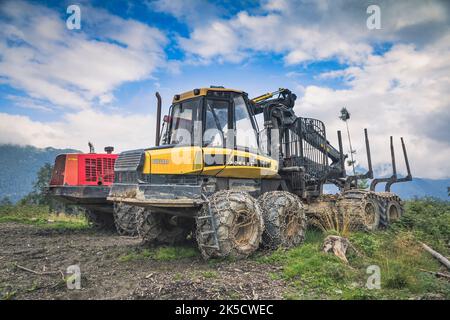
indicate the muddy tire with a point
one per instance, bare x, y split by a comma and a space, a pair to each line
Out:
100, 220
126, 218
237, 222
155, 228
284, 219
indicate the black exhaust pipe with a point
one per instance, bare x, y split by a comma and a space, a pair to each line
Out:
158, 119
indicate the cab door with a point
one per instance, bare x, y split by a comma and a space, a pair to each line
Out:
182, 154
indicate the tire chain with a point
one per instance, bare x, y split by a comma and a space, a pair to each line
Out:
126, 218
226, 197
352, 202
275, 222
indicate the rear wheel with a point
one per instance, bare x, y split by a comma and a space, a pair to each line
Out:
359, 210
284, 219
100, 220
391, 206
231, 224
394, 210
155, 227
125, 218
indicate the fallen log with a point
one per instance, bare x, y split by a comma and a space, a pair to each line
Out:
437, 255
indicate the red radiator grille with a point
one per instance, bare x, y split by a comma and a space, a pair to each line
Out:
99, 170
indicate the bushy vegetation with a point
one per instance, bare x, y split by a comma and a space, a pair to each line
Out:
429, 221
38, 195
35, 208
39, 215
397, 251
19, 167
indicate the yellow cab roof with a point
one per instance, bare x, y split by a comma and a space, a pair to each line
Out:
201, 92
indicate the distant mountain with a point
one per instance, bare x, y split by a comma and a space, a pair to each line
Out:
421, 187
418, 187
19, 166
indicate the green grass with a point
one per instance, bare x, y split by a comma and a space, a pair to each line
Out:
7, 292
161, 254
40, 216
136, 255
210, 274
174, 253
313, 274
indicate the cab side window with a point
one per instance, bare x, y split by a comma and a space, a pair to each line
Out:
245, 132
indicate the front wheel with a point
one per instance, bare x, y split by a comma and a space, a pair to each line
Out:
230, 224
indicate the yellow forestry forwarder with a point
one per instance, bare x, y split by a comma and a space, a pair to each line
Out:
216, 175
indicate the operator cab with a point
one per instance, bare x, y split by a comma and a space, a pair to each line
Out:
211, 117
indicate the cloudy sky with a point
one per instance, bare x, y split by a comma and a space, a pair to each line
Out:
63, 88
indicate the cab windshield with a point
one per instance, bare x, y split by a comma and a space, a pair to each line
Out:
220, 115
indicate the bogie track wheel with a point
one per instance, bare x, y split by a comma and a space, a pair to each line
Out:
125, 218
100, 220
155, 227
394, 210
371, 214
284, 219
230, 224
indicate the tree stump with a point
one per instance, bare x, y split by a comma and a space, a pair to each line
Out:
337, 245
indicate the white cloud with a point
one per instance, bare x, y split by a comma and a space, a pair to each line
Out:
305, 31
194, 12
71, 68
29, 103
123, 131
402, 93
72, 72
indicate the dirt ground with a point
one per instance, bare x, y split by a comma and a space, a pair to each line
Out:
105, 276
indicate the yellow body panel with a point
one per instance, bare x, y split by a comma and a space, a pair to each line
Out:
179, 160
211, 169
194, 160
243, 164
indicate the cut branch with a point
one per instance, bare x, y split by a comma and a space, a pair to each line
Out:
437, 255
40, 273
437, 274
